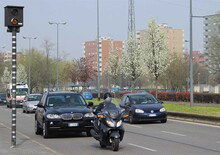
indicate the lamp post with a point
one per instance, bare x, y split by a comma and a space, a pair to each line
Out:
29, 62
57, 65
98, 52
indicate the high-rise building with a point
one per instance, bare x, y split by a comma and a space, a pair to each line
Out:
174, 38
211, 28
106, 46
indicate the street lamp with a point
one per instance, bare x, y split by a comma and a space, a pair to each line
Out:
29, 63
57, 67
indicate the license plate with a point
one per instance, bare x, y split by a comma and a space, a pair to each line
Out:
73, 124
152, 115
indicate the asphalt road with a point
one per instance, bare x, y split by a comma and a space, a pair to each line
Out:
172, 138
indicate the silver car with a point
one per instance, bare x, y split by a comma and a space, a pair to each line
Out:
30, 105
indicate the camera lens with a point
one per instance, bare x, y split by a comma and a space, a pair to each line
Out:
14, 12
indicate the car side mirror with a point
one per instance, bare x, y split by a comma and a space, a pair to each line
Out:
90, 104
161, 102
39, 105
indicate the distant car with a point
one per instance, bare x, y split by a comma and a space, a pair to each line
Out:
63, 111
3, 98
30, 105
143, 107
87, 95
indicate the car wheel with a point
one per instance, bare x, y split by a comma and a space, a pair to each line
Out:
23, 111
102, 145
7, 106
131, 119
88, 134
37, 128
164, 120
46, 133
27, 111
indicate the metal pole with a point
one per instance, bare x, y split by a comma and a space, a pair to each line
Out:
191, 56
57, 66
14, 72
98, 51
29, 66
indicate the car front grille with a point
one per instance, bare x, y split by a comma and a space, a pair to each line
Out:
77, 116
66, 117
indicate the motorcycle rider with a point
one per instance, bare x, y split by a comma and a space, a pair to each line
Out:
107, 103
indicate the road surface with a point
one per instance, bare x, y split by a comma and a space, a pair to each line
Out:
172, 138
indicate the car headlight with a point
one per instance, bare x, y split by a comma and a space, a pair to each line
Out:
89, 115
53, 116
139, 111
162, 110
110, 123
119, 123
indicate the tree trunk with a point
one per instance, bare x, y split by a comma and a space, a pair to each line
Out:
156, 87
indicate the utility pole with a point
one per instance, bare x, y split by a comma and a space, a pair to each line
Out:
29, 62
57, 65
131, 20
98, 53
191, 56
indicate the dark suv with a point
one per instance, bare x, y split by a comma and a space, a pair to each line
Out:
63, 111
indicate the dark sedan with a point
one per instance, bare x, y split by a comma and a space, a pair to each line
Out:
143, 107
63, 111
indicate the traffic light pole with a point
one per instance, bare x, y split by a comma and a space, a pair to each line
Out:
14, 72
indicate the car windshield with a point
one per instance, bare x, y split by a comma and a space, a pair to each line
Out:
34, 97
143, 99
2, 96
22, 91
65, 100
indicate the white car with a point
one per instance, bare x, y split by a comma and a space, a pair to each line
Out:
30, 104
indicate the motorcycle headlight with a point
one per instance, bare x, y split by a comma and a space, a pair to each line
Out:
89, 115
162, 110
110, 123
119, 123
139, 111
53, 116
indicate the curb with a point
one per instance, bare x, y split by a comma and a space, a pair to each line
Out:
194, 116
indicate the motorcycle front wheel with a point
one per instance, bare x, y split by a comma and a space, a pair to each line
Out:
115, 144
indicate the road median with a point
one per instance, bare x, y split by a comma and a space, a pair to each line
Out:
195, 117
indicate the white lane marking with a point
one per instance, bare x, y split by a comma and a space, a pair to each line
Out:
142, 147
136, 126
173, 133
32, 140
201, 124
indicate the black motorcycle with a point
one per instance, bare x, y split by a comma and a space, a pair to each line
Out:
108, 128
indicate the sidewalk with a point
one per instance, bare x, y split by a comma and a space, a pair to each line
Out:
25, 146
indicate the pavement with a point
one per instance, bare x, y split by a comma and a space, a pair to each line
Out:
172, 138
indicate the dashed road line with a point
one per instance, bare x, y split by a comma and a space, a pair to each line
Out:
173, 133
142, 147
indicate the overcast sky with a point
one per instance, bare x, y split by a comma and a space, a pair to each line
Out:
80, 16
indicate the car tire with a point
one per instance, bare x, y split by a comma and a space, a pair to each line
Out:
131, 119
38, 130
23, 111
46, 132
88, 134
164, 120
102, 145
